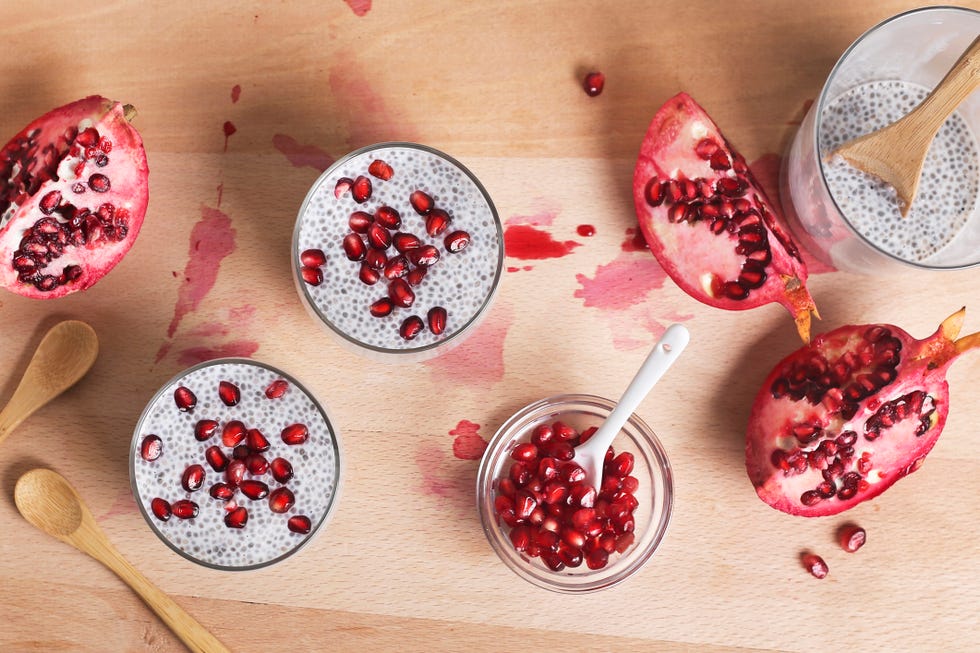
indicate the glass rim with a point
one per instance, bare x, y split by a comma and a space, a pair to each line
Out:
819, 105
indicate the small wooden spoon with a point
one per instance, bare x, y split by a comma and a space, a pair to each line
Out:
50, 503
895, 153
65, 354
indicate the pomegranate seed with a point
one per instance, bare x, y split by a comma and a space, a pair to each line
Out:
525, 451
593, 83
587, 433
520, 537
437, 319
457, 241
563, 431
583, 495
361, 189
342, 187
378, 236
852, 537
542, 433
281, 500
151, 448
313, 258
815, 565
354, 247
423, 256
416, 275
256, 464
382, 307
381, 170
282, 471
421, 202
368, 275
622, 464
99, 183
184, 399
256, 441
376, 259
597, 559
235, 473
388, 217
312, 276
229, 393
233, 433
193, 478
184, 509
396, 267
50, 202
437, 222
404, 242
359, 221
237, 518
401, 293
411, 327
161, 509
240, 452
216, 458
254, 489
222, 491
720, 160
276, 389
295, 434
299, 524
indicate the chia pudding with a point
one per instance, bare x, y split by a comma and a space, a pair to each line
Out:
948, 188
184, 453
398, 249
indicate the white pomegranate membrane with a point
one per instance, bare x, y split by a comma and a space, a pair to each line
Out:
948, 189
211, 537
462, 283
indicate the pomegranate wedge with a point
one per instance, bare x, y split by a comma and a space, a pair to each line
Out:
838, 421
708, 221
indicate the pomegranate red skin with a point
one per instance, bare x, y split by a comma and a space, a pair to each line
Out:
698, 260
127, 169
890, 453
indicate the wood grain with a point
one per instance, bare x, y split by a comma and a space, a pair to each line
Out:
403, 562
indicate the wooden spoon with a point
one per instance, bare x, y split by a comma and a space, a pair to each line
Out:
65, 354
48, 501
895, 153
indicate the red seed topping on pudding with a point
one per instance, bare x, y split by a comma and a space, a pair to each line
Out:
381, 170
229, 393
295, 434
151, 448
276, 389
184, 399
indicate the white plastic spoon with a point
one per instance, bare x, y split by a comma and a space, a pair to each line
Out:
592, 453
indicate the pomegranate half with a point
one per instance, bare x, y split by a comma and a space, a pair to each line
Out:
708, 221
838, 421
73, 194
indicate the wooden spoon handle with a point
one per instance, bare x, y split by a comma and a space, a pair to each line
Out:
961, 80
196, 637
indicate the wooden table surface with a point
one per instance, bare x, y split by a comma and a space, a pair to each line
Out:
403, 563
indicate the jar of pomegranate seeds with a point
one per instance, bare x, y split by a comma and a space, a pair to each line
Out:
550, 527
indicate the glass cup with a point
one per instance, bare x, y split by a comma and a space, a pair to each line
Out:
850, 219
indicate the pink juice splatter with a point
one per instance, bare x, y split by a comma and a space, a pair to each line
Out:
467, 443
479, 360
236, 92
235, 349
626, 281
527, 242
359, 7
302, 155
229, 129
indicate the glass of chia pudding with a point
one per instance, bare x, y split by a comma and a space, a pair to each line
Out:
234, 464
851, 219
398, 251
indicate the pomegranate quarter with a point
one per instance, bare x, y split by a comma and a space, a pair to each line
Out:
73, 193
239, 498
838, 421
708, 221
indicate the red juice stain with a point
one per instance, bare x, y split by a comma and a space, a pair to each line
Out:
236, 92
511, 268
527, 242
626, 281
221, 186
236, 349
440, 478
544, 218
229, 129
359, 7
635, 241
467, 444
478, 360
585, 230
302, 155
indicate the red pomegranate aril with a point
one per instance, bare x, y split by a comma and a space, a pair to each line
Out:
852, 537
299, 524
571, 472
216, 458
525, 452
388, 217
281, 470
401, 293
237, 518
368, 275
437, 319
378, 237
572, 537
229, 393
383, 307
359, 221
457, 241
343, 187
221, 491
256, 464
376, 259
193, 478
561, 451
99, 183
520, 474
404, 242
622, 464
520, 537
161, 509
361, 189
151, 448
541, 434
421, 202
281, 500
240, 452
381, 170
396, 268
277, 389
184, 399
354, 247
256, 441
312, 276
184, 509
254, 489
582, 495
424, 256
233, 433
235, 472
524, 504
416, 275
545, 540
436, 222
594, 83
295, 434
815, 565
411, 327
313, 258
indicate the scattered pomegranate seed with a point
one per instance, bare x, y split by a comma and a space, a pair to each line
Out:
388, 217
235, 472
184, 509
184, 399
205, 429
161, 509
378, 236
151, 448
299, 524
437, 222
254, 489
229, 393
277, 389
403, 242
282, 471
222, 491
368, 275
423, 256
457, 241
382, 307
376, 259
852, 537
312, 276
396, 267
411, 327
233, 433
313, 258
237, 518
401, 293
354, 247
416, 275
216, 458
240, 452
295, 434
193, 478
256, 441
381, 170
256, 464
421, 202
50, 202
99, 183
361, 189
359, 221
815, 565
593, 83
437, 319
281, 500
343, 186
